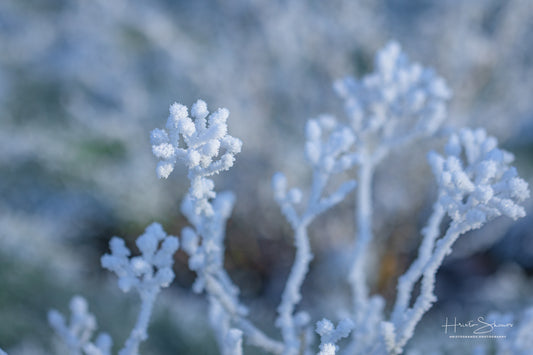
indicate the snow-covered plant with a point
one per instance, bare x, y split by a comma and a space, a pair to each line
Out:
78, 332
146, 273
395, 105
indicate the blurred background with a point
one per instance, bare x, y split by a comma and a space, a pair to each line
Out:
83, 82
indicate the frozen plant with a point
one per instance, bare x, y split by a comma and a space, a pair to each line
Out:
395, 105
78, 332
146, 273
327, 147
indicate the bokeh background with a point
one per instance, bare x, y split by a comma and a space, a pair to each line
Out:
83, 82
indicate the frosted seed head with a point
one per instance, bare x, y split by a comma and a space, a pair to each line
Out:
232, 145
227, 161
170, 245
164, 276
118, 247
220, 116
178, 111
163, 151
78, 305
344, 327
193, 158
482, 186
164, 168
453, 147
186, 127
211, 148
147, 244
199, 109
324, 327
158, 136
519, 189
156, 231
140, 266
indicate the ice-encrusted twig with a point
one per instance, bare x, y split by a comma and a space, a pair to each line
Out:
477, 184
146, 273
77, 333
203, 144
397, 103
327, 148
329, 335
407, 281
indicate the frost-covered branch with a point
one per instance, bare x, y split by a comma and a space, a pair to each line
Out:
146, 273
407, 281
203, 144
77, 333
327, 148
329, 335
397, 103
477, 185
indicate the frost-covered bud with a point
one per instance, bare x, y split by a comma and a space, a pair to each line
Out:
158, 136
140, 271
201, 142
327, 144
78, 331
199, 109
164, 169
476, 180
324, 327
118, 247
164, 276
164, 151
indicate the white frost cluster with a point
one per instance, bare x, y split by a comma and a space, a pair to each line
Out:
151, 269
476, 179
328, 151
201, 142
397, 100
329, 335
78, 332
328, 144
